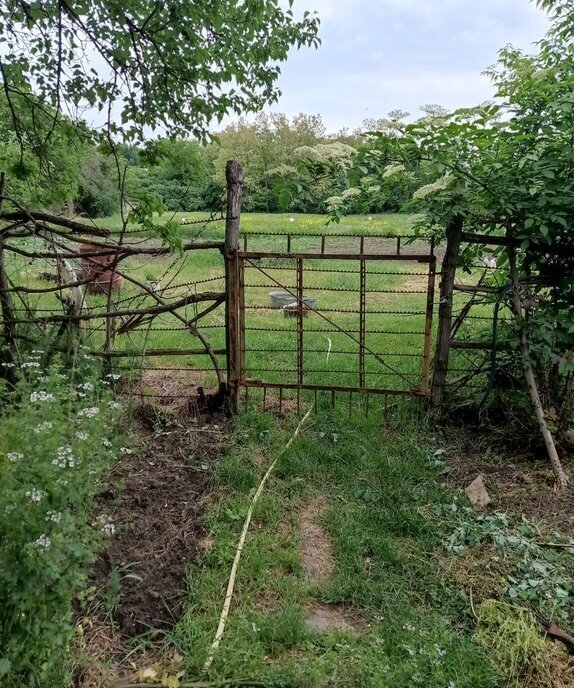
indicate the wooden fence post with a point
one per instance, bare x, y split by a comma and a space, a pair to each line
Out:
234, 176
449, 264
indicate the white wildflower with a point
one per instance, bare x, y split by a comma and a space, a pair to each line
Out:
43, 542
107, 444
42, 396
125, 450
65, 458
82, 436
14, 456
107, 525
440, 652
408, 627
43, 427
35, 495
30, 364
291, 219
89, 412
54, 516
86, 386
114, 405
113, 376
8, 365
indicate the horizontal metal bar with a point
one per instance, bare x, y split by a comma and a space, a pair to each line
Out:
374, 237
332, 388
419, 258
345, 272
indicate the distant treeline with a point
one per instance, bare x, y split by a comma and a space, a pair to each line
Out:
76, 173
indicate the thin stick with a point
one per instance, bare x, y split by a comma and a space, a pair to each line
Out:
239, 550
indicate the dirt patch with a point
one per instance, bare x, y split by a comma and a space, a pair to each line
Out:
158, 494
517, 481
324, 618
316, 549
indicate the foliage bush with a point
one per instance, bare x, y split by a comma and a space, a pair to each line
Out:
57, 442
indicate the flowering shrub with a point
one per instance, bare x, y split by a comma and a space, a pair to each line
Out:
56, 445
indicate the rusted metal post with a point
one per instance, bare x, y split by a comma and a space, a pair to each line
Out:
234, 177
449, 265
428, 326
300, 306
362, 318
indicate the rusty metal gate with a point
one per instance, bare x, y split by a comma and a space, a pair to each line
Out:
354, 321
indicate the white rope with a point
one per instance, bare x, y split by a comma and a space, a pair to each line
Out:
239, 550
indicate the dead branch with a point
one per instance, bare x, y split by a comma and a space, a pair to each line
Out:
561, 477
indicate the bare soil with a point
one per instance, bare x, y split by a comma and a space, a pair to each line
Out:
159, 494
316, 550
518, 479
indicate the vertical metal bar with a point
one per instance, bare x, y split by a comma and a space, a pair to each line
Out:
362, 319
288, 243
425, 383
398, 246
362, 245
300, 306
323, 243
245, 242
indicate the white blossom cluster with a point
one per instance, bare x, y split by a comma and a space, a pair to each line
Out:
392, 170
43, 542
114, 405
107, 525
30, 364
106, 443
86, 386
35, 495
42, 397
435, 187
90, 412
14, 456
65, 458
82, 436
54, 516
43, 427
113, 376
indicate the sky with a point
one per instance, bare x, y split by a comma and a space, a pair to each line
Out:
378, 55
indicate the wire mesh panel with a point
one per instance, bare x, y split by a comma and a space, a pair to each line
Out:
324, 318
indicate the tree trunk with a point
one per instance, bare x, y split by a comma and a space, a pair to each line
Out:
448, 273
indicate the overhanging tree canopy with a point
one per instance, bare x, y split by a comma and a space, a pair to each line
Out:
171, 65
